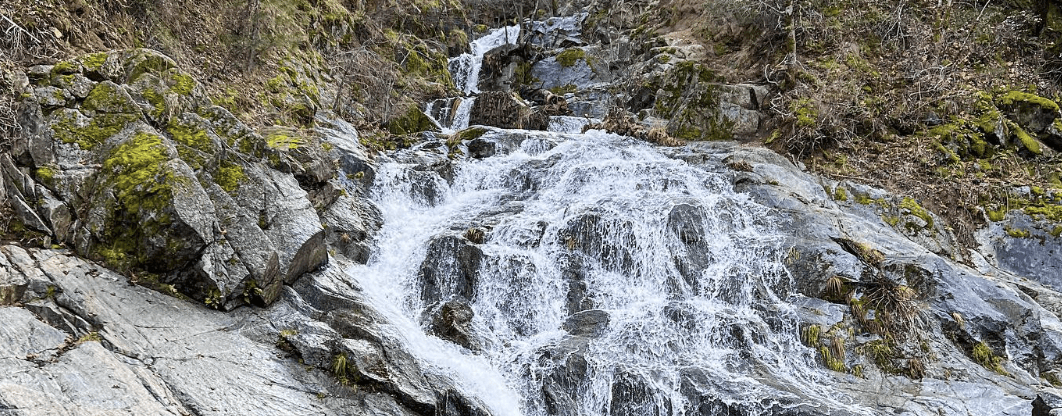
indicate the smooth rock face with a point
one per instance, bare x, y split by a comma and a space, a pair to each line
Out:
23, 335
155, 354
1037, 255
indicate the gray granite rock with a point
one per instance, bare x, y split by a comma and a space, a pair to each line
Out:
156, 354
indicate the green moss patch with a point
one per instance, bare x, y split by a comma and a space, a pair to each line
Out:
157, 101
839, 194
983, 355
137, 167
806, 115
1014, 97
46, 175
150, 64
99, 128
191, 135
915, 209
66, 68
470, 133
95, 61
997, 214
1045, 212
1027, 141
193, 143
107, 97
283, 141
182, 83
229, 176
569, 57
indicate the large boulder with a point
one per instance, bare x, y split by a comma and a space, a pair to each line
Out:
892, 271
450, 270
506, 110
135, 167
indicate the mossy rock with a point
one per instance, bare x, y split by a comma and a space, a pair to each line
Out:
71, 126
108, 97
411, 122
1031, 112
137, 233
143, 61
569, 57
688, 96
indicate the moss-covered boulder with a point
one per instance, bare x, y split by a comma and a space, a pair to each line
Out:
506, 110
690, 97
135, 167
411, 121
1035, 118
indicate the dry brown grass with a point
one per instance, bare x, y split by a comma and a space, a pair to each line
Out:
236, 48
857, 80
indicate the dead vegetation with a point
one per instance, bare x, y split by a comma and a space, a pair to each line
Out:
267, 61
619, 121
860, 85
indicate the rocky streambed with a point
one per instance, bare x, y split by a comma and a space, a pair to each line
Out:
175, 261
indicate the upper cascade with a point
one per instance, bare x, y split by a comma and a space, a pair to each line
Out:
465, 68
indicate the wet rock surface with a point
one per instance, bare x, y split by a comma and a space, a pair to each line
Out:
979, 338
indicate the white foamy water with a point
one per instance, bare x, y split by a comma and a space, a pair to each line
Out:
465, 68
688, 272
448, 117
569, 124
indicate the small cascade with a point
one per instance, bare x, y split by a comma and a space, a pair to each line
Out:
450, 114
441, 111
569, 124
462, 114
465, 68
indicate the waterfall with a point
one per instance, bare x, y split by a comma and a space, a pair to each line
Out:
465, 68
447, 116
611, 279
673, 282
462, 115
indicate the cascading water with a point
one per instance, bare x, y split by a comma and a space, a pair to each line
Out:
673, 283
448, 116
569, 124
465, 68
612, 278
465, 71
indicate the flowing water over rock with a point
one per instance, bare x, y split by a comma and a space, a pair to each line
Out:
570, 273
450, 114
585, 274
606, 278
465, 68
